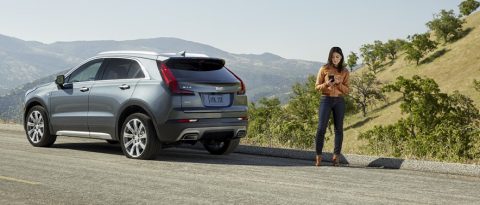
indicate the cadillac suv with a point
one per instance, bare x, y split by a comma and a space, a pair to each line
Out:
143, 100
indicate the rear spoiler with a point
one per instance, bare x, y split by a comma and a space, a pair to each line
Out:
200, 63
164, 56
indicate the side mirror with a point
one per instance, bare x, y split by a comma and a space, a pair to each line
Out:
60, 80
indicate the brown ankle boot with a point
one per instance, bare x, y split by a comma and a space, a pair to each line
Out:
318, 160
335, 160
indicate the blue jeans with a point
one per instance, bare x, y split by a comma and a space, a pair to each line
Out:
337, 106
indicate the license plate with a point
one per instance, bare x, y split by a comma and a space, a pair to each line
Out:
216, 100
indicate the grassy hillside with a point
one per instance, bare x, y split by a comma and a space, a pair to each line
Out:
455, 69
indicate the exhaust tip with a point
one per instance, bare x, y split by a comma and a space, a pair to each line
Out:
241, 133
190, 136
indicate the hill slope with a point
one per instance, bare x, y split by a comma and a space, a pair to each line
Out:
454, 70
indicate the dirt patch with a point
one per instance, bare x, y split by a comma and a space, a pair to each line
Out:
11, 127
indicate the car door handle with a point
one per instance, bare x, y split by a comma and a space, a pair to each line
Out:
84, 89
124, 87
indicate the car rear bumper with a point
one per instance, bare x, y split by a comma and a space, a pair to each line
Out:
203, 129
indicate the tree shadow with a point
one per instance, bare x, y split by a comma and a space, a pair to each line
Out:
360, 123
434, 56
389, 103
462, 34
389, 163
383, 163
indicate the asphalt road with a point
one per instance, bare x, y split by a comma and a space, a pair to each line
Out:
83, 171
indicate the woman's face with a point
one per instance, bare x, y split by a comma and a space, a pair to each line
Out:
336, 57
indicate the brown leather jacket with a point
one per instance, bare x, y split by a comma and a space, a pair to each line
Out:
341, 85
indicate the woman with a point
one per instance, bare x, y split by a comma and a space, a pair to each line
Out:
332, 81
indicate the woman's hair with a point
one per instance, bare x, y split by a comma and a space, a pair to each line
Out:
330, 55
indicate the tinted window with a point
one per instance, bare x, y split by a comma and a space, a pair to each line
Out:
122, 69
200, 70
86, 72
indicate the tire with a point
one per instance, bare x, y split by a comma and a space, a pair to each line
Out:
112, 141
217, 147
138, 138
37, 128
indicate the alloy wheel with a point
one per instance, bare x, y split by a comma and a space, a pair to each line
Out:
35, 126
134, 137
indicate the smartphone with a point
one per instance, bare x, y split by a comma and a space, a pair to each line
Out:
331, 78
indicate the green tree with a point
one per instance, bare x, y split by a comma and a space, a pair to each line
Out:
352, 60
392, 47
468, 6
373, 55
418, 47
438, 125
261, 118
476, 85
301, 115
366, 91
446, 26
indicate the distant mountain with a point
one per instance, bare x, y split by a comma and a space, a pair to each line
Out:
23, 62
11, 104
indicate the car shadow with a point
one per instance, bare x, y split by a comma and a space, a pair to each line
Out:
194, 154
189, 155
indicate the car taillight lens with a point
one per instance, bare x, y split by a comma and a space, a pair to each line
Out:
187, 120
170, 80
242, 85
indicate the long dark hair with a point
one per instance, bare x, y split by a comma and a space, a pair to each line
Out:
330, 55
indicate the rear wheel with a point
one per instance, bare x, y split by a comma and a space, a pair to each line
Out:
138, 139
219, 147
37, 128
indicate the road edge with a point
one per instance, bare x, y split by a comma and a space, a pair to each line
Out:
362, 160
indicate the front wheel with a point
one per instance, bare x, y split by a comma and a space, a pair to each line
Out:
37, 128
219, 147
138, 139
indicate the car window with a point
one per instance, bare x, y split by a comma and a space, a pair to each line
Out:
86, 72
122, 69
200, 70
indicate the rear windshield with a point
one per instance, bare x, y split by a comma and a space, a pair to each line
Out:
200, 70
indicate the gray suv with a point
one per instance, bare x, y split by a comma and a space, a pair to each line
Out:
143, 100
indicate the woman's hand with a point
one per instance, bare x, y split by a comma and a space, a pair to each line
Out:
338, 80
330, 85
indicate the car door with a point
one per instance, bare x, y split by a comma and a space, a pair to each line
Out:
114, 88
69, 104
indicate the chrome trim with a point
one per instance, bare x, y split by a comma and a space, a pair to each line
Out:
214, 110
93, 135
200, 130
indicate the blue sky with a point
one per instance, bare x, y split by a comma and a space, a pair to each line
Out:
301, 29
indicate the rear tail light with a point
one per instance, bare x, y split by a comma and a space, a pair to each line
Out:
170, 80
187, 120
242, 85
242, 118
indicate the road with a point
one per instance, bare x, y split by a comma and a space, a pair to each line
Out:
84, 171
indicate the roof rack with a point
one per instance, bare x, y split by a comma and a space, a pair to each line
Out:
129, 52
179, 54
182, 54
